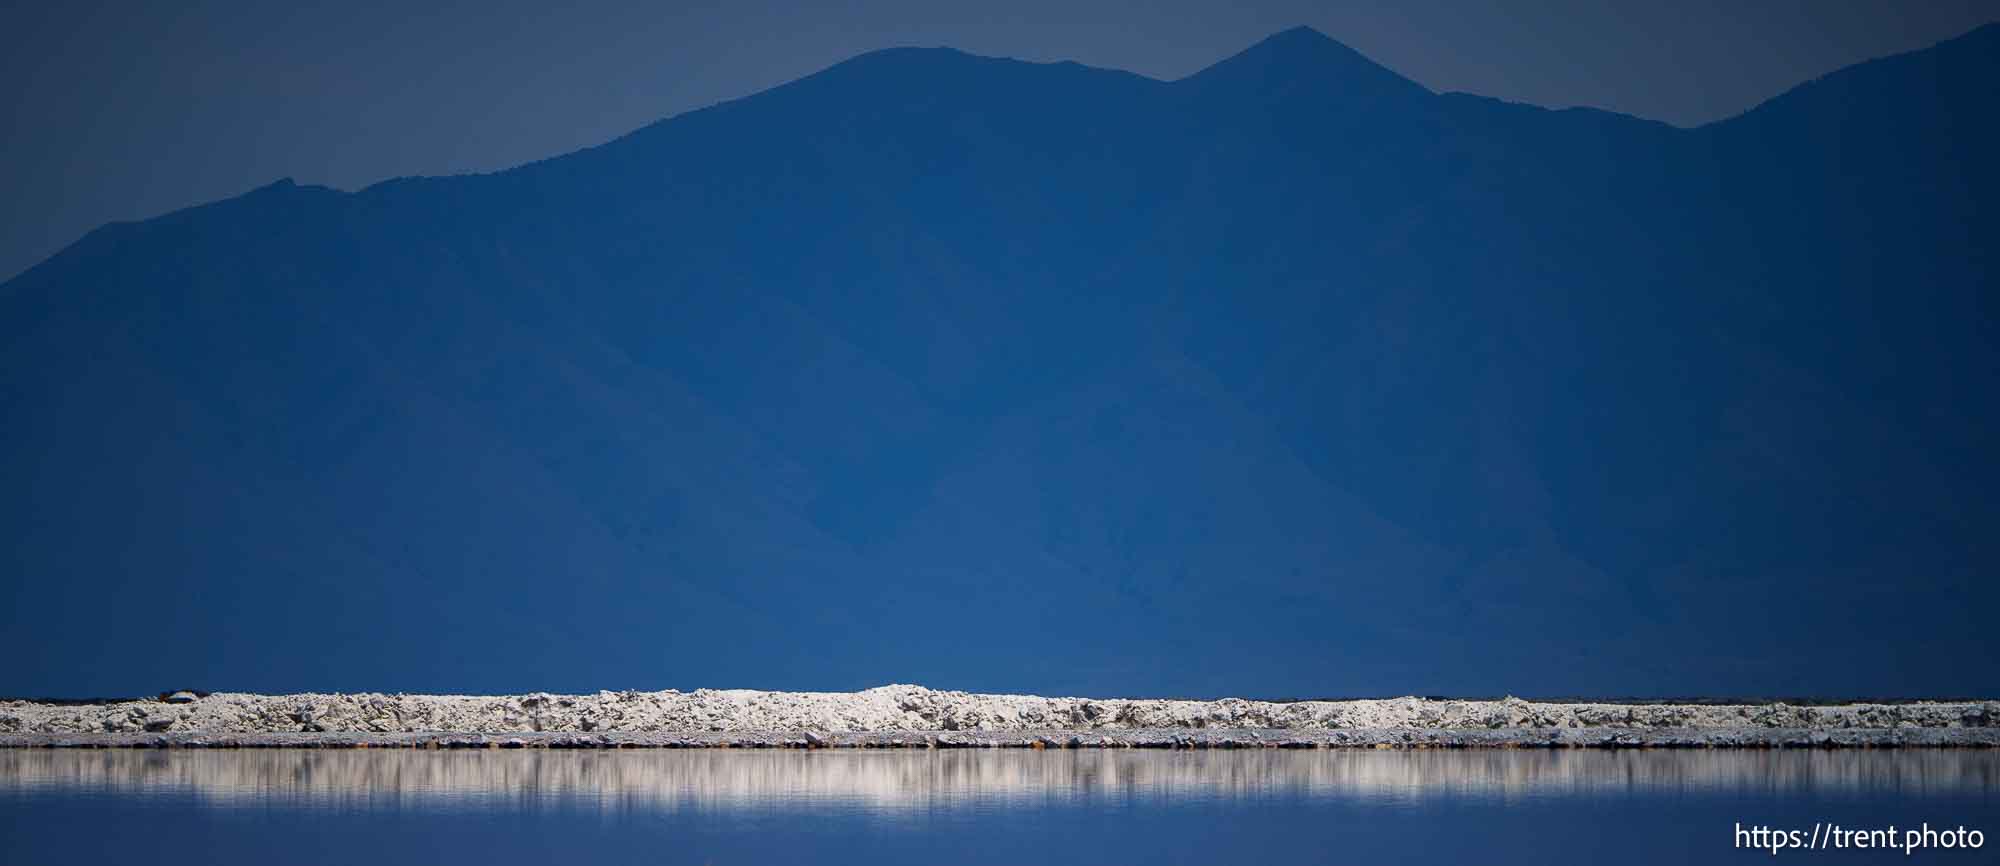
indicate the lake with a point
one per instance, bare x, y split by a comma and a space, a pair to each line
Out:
728, 806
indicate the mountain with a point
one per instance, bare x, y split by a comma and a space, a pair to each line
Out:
1287, 378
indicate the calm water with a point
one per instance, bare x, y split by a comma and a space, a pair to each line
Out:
724, 807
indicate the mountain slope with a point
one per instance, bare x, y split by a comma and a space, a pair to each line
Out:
1286, 378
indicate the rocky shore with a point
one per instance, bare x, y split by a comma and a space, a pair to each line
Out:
902, 716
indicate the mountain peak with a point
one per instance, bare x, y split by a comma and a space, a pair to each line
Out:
1301, 58
1303, 35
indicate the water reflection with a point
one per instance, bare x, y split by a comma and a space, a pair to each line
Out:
670, 780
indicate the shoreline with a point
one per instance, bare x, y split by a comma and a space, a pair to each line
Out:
905, 716
1154, 738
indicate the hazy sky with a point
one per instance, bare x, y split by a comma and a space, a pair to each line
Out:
120, 110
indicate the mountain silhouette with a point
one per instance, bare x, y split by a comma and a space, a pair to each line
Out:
1287, 378
1303, 64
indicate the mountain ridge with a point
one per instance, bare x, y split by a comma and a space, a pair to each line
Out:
1300, 33
1437, 398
